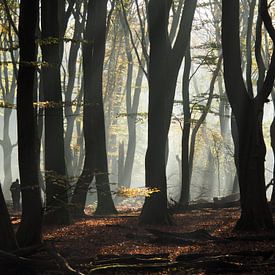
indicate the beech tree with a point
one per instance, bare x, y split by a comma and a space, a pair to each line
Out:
95, 163
132, 96
164, 65
72, 111
8, 87
248, 112
51, 45
29, 231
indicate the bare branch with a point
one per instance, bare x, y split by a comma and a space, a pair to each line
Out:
7, 10
267, 20
132, 39
14, 145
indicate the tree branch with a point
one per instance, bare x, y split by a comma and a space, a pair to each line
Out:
7, 10
132, 39
267, 20
14, 145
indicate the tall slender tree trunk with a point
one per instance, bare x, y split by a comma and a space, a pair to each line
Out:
248, 112
132, 131
272, 137
224, 107
132, 103
126, 176
29, 231
8, 94
185, 175
164, 66
249, 48
55, 168
7, 149
70, 112
203, 116
95, 164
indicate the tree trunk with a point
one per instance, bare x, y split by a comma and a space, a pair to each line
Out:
203, 116
248, 48
121, 161
29, 231
255, 213
8, 94
56, 181
7, 239
70, 112
272, 137
93, 124
185, 175
164, 66
132, 102
7, 150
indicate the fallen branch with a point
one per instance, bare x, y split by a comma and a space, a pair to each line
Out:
14, 261
134, 259
246, 253
28, 251
197, 236
133, 267
61, 262
144, 256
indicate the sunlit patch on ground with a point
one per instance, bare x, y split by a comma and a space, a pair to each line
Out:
122, 234
92, 237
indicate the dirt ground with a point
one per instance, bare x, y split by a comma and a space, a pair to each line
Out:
113, 242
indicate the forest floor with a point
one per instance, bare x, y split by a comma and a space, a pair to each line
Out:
118, 245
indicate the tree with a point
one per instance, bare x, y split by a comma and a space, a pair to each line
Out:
7, 240
56, 182
95, 164
184, 163
8, 88
72, 110
164, 64
29, 231
132, 98
248, 112
188, 157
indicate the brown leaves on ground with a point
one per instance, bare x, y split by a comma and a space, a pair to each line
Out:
121, 234
92, 240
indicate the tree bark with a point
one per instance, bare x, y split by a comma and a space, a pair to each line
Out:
8, 94
248, 112
95, 164
164, 66
70, 112
55, 168
185, 175
29, 231
7, 239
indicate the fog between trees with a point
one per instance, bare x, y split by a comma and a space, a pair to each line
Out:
159, 69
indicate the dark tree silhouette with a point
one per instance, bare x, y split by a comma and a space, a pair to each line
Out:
29, 232
248, 112
7, 240
164, 65
95, 164
56, 183
185, 139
